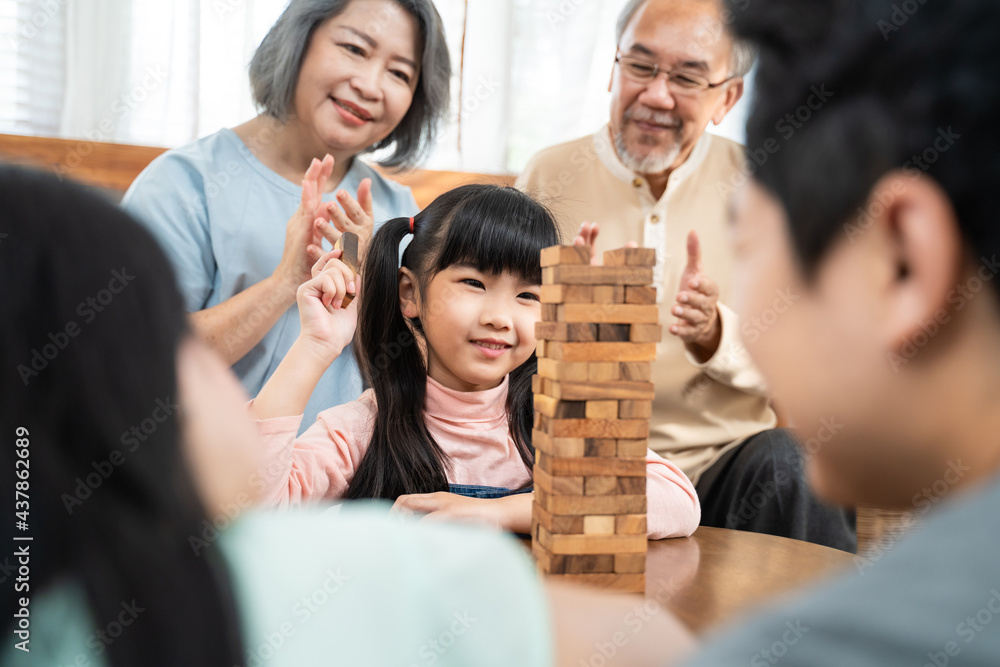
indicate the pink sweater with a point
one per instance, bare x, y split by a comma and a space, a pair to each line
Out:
471, 429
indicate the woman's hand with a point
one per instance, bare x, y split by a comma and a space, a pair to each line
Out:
349, 215
303, 241
327, 327
511, 513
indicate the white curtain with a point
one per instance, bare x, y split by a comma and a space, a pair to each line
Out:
528, 73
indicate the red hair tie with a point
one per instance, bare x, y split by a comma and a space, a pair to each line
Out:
411, 224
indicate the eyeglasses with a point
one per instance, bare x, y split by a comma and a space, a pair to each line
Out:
680, 83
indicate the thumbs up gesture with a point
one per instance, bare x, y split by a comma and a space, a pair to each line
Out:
696, 309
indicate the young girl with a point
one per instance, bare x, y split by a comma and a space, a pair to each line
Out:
446, 340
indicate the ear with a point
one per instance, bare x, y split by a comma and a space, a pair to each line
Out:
409, 295
732, 95
921, 237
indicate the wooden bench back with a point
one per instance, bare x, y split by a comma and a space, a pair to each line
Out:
113, 167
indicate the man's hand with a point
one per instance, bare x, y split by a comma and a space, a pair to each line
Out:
588, 236
697, 307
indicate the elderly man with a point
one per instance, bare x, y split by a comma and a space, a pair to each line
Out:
653, 175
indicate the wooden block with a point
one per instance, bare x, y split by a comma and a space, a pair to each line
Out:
567, 294
599, 524
540, 347
600, 351
562, 485
548, 386
621, 583
640, 294
600, 447
595, 391
588, 466
606, 485
550, 312
632, 448
562, 331
613, 313
572, 447
557, 523
595, 428
602, 371
583, 505
567, 371
565, 254
596, 275
630, 257
591, 544
536, 384
635, 409
601, 485
587, 564
608, 294
637, 371
348, 243
627, 486
630, 524
630, 563
550, 563
553, 407
613, 333
599, 410
646, 333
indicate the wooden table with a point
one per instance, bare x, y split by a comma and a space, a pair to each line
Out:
712, 575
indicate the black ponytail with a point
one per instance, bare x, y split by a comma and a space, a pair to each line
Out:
491, 228
402, 456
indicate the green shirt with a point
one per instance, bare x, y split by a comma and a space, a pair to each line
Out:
351, 587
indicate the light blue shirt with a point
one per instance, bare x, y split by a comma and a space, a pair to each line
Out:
221, 215
358, 587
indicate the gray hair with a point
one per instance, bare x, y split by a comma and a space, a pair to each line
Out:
274, 74
740, 61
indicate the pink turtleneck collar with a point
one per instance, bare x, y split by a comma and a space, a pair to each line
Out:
469, 407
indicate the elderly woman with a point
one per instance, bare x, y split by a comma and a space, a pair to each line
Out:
333, 79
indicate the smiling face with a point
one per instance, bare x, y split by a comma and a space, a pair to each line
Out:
479, 327
653, 129
358, 76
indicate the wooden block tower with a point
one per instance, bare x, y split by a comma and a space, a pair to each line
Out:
593, 400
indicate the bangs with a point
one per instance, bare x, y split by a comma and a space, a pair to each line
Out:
499, 230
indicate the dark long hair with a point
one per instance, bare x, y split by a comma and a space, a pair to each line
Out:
90, 323
491, 228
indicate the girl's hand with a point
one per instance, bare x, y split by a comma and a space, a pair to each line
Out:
326, 326
302, 240
511, 513
453, 507
349, 216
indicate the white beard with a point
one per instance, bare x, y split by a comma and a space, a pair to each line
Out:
653, 163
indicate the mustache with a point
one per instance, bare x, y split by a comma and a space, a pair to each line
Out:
644, 115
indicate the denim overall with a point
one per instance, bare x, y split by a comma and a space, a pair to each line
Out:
486, 492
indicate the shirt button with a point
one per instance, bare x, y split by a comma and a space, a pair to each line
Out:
637, 183
654, 219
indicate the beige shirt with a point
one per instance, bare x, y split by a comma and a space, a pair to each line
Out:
700, 410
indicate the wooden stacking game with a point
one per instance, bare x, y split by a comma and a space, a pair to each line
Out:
348, 242
593, 400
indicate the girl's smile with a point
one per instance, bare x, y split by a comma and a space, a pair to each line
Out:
479, 326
